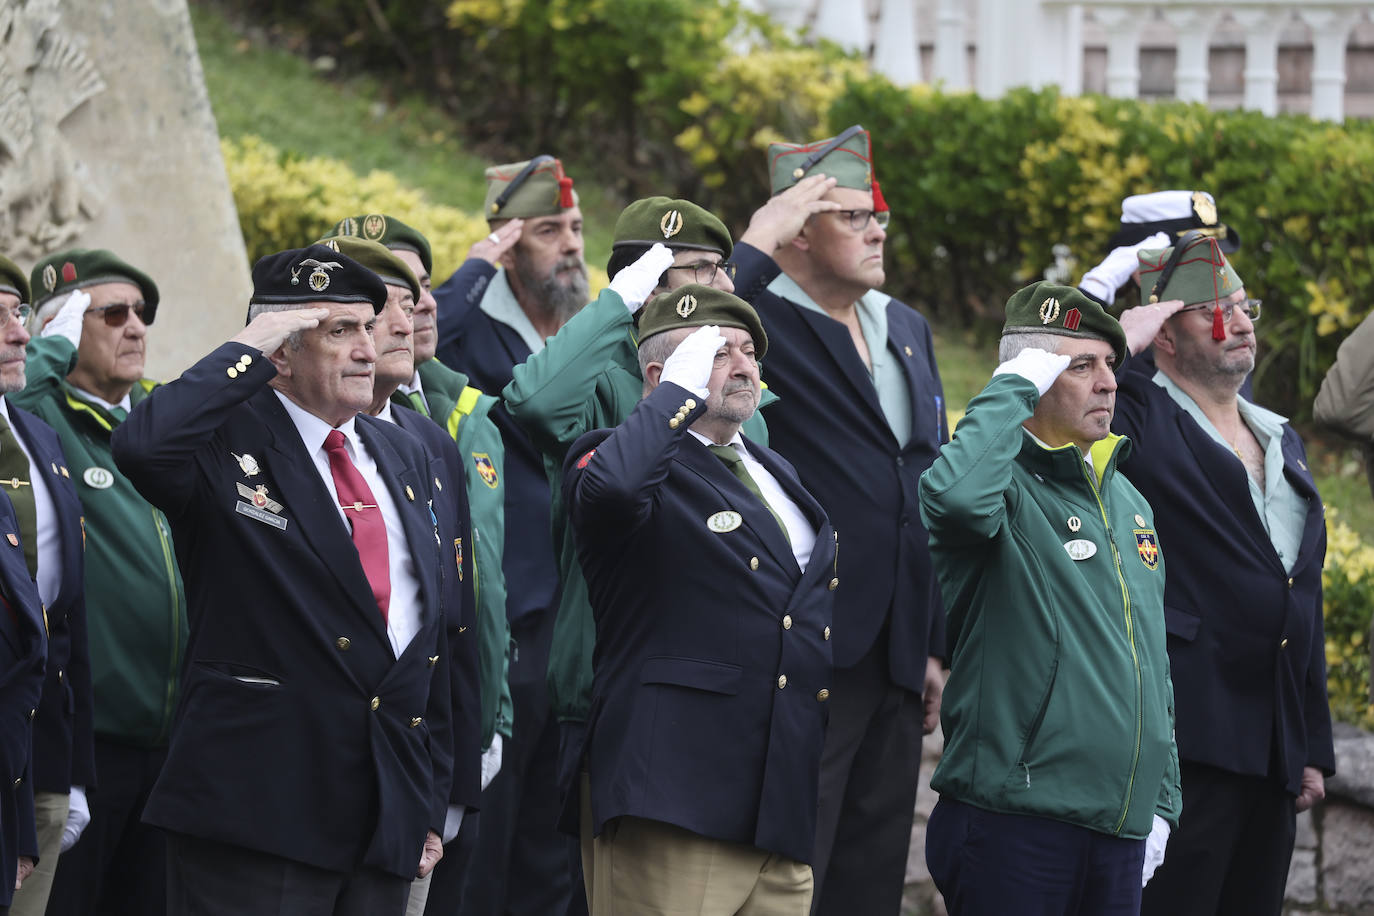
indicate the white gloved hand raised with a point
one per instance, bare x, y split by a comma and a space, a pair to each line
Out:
634, 283
1116, 268
1154, 848
67, 322
1039, 367
78, 812
491, 761
691, 363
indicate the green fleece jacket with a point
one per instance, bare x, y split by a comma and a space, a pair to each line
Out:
135, 605
586, 377
1059, 702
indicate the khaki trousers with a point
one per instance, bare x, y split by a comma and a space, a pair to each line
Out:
50, 814
648, 868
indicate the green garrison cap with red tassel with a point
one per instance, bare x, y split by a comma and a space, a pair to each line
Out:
1195, 271
848, 158
524, 190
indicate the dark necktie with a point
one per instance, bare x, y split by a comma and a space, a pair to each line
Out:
14, 480
735, 462
369, 528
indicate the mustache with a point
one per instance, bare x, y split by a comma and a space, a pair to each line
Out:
569, 263
737, 385
13, 353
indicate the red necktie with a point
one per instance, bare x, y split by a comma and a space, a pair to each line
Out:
369, 528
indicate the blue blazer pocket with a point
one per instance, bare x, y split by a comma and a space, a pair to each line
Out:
701, 674
1181, 623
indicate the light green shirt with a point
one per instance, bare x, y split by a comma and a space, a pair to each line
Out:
500, 303
886, 372
1279, 506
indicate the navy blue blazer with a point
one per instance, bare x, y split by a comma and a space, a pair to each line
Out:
1246, 644
299, 732
713, 654
23, 649
460, 606
63, 737
829, 424
487, 351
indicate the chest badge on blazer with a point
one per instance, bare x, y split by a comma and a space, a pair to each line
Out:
487, 470
724, 521
259, 506
247, 463
1147, 545
1081, 549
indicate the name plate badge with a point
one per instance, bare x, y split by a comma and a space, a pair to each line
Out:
1081, 549
267, 518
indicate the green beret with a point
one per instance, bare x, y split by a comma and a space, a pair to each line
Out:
12, 279
1044, 308
847, 158
391, 232
524, 190
1202, 273
695, 306
675, 223
78, 268
377, 258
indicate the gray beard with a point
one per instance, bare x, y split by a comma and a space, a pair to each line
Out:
559, 300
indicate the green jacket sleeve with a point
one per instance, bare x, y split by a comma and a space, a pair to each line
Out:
550, 393
49, 359
1169, 805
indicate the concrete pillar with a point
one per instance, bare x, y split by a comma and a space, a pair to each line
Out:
1261, 57
844, 22
897, 46
1194, 27
994, 66
790, 14
951, 46
1330, 30
1122, 25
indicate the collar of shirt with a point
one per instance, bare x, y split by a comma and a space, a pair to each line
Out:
313, 431
85, 395
412, 386
871, 306
500, 304
385, 414
45, 519
1264, 423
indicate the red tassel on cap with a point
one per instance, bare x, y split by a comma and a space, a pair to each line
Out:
879, 205
1218, 326
565, 198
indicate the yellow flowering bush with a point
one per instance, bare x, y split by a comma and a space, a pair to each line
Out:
1348, 593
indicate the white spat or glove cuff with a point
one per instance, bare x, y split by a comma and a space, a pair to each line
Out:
67, 322
491, 761
453, 821
1039, 367
1116, 268
634, 283
691, 363
78, 813
1154, 848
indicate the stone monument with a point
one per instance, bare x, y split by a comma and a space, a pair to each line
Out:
107, 140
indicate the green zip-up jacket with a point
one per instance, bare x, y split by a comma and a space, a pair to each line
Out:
135, 605
586, 377
463, 411
1059, 702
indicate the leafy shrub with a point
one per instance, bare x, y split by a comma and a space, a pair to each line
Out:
1348, 591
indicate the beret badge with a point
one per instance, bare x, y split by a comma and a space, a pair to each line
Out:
671, 224
686, 306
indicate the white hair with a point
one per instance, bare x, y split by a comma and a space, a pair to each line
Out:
1016, 341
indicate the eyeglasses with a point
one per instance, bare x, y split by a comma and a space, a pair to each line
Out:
858, 219
705, 271
1250, 308
117, 314
19, 313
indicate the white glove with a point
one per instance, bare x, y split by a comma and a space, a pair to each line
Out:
1039, 367
78, 811
691, 363
67, 321
1154, 848
1116, 268
491, 761
453, 819
634, 283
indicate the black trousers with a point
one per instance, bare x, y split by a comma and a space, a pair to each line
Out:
989, 864
1230, 853
119, 866
206, 878
867, 791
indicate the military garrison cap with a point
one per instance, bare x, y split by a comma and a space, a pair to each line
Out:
695, 306
1201, 273
1045, 308
389, 231
377, 258
848, 158
12, 279
675, 223
78, 268
524, 190
301, 276
1172, 212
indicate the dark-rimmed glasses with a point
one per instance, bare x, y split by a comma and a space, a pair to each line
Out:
858, 219
704, 272
1248, 307
117, 314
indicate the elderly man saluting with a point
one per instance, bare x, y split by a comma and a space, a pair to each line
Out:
1059, 756
711, 573
299, 778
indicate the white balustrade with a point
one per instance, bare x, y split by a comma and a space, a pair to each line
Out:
897, 48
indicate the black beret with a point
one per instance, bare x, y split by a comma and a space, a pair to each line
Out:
315, 274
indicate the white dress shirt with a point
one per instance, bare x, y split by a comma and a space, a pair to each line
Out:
49, 538
403, 613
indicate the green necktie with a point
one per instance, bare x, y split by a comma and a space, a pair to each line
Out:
417, 401
119, 413
14, 480
735, 462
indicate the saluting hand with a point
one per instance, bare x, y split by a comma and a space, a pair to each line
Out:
1117, 267
634, 283
269, 330
68, 320
1143, 322
492, 247
691, 363
781, 219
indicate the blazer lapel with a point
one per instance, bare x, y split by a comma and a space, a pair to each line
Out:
835, 339
738, 497
927, 406
815, 514
1228, 477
